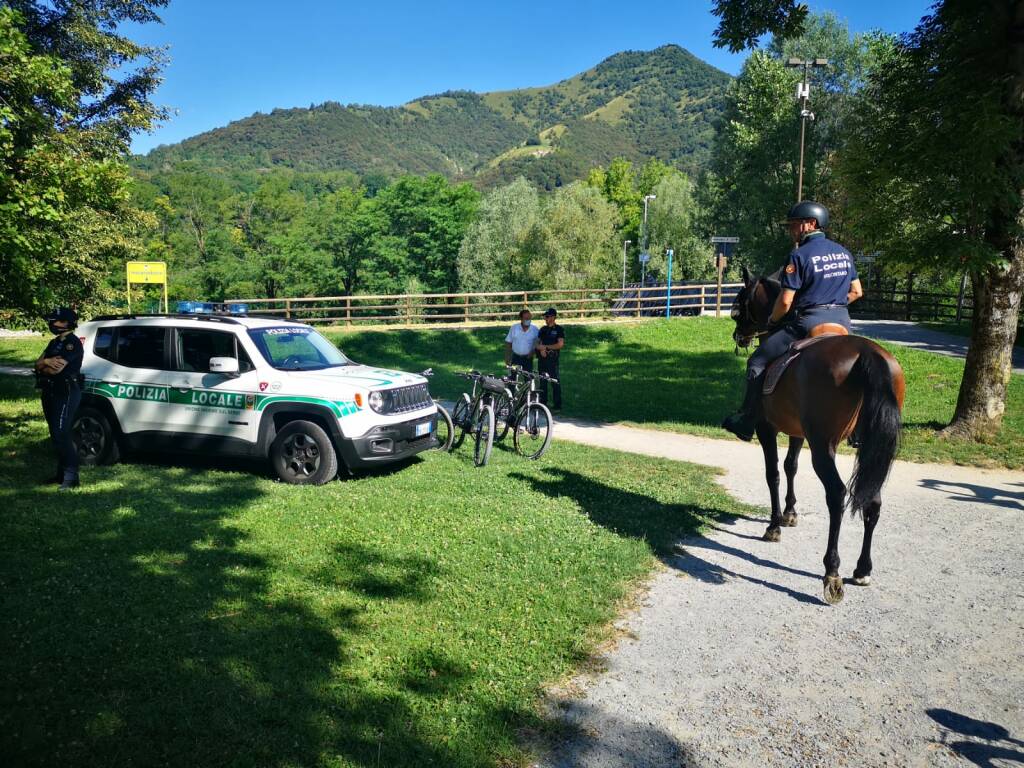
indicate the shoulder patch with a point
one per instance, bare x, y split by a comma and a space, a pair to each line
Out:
790, 269
69, 347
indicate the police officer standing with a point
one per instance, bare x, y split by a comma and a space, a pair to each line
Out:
550, 341
58, 376
819, 282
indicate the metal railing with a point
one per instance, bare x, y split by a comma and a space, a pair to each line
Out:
447, 308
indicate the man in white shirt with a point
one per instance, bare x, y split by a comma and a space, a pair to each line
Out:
521, 341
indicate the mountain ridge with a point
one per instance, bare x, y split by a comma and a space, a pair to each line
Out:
662, 103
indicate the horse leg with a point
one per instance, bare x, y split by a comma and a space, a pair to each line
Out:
823, 458
790, 464
767, 435
862, 575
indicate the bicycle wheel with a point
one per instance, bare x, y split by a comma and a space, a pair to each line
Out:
484, 435
444, 430
504, 416
461, 420
532, 433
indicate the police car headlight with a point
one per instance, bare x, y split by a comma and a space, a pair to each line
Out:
376, 401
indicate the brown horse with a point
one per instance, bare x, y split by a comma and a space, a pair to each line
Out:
837, 387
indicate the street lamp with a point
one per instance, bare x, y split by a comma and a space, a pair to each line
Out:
643, 240
803, 93
625, 245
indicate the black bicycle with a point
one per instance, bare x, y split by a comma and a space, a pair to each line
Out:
522, 412
474, 413
444, 430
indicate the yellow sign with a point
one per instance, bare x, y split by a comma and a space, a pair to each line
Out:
147, 272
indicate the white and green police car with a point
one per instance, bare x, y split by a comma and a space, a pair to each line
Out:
238, 385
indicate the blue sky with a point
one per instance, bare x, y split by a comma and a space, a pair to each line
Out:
230, 58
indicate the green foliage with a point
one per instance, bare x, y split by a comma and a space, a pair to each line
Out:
744, 22
673, 218
498, 249
576, 240
65, 122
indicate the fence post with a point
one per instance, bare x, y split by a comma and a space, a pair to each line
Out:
638, 303
703, 299
910, 295
348, 310
465, 311
408, 309
524, 300
288, 308
960, 297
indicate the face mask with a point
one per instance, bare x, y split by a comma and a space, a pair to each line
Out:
55, 329
526, 323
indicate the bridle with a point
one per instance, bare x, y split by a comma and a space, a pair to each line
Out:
742, 310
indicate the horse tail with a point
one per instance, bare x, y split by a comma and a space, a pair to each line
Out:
878, 429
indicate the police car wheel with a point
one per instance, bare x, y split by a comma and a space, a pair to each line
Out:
302, 454
94, 438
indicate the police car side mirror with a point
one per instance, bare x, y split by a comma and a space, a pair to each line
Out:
227, 366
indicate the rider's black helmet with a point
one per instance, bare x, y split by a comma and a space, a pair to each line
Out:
808, 209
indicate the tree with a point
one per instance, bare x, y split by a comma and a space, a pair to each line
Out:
496, 252
936, 167
65, 123
673, 225
935, 174
576, 240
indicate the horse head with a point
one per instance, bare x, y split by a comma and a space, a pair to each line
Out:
752, 307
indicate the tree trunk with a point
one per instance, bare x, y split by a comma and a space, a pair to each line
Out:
997, 287
997, 298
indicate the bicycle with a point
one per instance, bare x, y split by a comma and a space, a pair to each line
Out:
475, 413
444, 430
522, 412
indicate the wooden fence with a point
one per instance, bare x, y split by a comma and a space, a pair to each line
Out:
442, 308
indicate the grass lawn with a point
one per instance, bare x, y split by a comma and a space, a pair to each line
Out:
679, 375
682, 375
193, 614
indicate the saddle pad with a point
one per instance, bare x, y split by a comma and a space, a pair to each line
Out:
779, 366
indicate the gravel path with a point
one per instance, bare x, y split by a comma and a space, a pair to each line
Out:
914, 335
734, 660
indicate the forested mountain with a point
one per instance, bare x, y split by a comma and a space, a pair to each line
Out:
661, 103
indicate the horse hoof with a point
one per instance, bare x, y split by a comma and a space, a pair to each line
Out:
772, 534
860, 581
789, 520
833, 589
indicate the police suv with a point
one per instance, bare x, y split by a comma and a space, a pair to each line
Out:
239, 385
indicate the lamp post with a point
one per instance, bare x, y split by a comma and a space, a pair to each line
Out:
803, 93
643, 241
625, 245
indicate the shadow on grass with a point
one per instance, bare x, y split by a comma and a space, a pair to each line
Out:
663, 526
603, 376
144, 625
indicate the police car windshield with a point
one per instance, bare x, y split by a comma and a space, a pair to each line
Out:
297, 349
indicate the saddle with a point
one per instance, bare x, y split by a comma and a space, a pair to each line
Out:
779, 366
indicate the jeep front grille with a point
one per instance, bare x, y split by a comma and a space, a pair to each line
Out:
405, 399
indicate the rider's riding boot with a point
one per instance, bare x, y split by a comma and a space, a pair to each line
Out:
744, 422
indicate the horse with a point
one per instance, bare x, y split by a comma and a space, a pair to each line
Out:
837, 387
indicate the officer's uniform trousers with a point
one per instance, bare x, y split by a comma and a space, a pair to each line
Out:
549, 365
60, 402
775, 346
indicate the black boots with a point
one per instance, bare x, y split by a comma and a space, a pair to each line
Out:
744, 422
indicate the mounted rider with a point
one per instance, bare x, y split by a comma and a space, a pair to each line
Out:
818, 283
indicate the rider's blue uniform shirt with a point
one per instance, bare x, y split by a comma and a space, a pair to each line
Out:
820, 271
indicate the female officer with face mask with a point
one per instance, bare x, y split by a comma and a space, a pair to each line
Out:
58, 377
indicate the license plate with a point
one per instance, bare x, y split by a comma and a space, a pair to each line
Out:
424, 429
